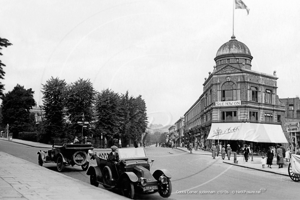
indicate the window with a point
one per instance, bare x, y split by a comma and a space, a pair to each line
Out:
228, 60
291, 107
237, 60
229, 115
253, 94
268, 96
253, 116
228, 91
278, 118
268, 117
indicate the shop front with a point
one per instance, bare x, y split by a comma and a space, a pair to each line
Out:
258, 136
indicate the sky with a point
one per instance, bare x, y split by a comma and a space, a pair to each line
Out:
159, 49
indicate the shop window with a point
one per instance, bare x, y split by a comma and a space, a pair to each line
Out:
269, 117
228, 91
253, 116
229, 115
268, 96
254, 94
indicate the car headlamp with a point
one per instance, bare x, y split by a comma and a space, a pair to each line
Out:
163, 179
143, 181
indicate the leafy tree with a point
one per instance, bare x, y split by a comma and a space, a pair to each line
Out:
79, 103
16, 107
53, 105
108, 111
3, 43
134, 118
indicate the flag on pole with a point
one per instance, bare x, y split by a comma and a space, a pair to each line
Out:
239, 4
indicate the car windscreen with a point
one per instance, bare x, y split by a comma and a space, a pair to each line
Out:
129, 153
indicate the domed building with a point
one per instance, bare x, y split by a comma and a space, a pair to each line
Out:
238, 105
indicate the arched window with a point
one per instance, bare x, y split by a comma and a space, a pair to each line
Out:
253, 94
228, 91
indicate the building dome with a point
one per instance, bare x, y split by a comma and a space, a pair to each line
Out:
233, 46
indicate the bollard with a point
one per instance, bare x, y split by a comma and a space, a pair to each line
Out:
235, 157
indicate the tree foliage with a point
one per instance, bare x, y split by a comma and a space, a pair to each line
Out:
108, 113
16, 107
79, 102
53, 106
3, 43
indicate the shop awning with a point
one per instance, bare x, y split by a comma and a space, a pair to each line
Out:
253, 132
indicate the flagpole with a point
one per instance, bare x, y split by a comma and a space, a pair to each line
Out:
233, 18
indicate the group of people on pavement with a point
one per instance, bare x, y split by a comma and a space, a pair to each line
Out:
220, 149
267, 159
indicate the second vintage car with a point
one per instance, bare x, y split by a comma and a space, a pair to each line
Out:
129, 172
68, 154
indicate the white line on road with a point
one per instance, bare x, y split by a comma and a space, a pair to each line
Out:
207, 181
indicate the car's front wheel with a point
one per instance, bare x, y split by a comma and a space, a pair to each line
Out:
127, 188
93, 179
40, 160
60, 164
165, 189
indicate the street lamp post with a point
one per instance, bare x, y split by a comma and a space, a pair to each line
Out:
83, 124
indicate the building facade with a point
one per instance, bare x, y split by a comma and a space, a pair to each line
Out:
233, 93
291, 123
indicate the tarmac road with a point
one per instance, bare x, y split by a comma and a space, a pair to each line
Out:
195, 175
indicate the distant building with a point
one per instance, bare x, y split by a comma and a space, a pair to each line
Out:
179, 128
291, 121
38, 114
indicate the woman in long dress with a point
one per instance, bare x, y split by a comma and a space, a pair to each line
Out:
279, 157
270, 157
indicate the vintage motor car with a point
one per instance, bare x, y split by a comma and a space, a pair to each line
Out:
68, 154
129, 172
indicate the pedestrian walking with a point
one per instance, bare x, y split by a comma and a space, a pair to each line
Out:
218, 149
246, 153
270, 156
263, 161
287, 155
214, 151
279, 156
229, 150
223, 152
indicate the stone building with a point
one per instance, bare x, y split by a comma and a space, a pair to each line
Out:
234, 94
291, 122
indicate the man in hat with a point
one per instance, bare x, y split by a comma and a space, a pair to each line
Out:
113, 155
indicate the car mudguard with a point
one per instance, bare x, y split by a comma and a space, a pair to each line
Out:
132, 176
97, 171
63, 158
160, 172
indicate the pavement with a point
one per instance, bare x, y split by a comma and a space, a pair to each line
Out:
23, 180
254, 162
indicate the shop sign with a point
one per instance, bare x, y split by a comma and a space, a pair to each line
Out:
228, 103
293, 129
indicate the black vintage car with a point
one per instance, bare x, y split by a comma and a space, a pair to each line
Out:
68, 154
129, 172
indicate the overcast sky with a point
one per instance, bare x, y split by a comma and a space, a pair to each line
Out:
160, 49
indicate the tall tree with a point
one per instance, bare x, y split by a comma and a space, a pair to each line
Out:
3, 43
108, 111
16, 107
134, 120
79, 102
53, 105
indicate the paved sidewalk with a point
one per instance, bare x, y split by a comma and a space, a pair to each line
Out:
23, 180
254, 164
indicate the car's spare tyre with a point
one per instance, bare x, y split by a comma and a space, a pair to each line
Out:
80, 158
